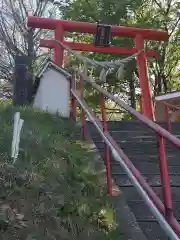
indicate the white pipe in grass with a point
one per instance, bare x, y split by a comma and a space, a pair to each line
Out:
21, 121
18, 123
15, 130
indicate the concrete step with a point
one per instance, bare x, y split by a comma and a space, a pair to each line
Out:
131, 193
136, 146
152, 230
139, 141
141, 157
153, 179
131, 125
124, 133
172, 159
142, 213
140, 144
145, 168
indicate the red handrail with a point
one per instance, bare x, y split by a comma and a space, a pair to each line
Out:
166, 209
170, 106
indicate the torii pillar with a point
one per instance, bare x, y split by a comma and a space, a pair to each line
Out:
139, 35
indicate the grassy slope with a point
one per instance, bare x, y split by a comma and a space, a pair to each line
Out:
52, 191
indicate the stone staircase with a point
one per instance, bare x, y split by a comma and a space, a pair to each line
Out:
140, 145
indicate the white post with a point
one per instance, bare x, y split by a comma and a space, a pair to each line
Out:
18, 123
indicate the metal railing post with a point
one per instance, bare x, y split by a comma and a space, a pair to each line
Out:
165, 181
106, 148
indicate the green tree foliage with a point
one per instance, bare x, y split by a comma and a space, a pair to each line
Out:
104, 11
162, 15
157, 14
108, 12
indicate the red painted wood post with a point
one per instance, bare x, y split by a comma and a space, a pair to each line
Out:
148, 110
165, 181
83, 115
106, 149
58, 51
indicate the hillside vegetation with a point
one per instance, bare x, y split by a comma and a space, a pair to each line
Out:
52, 192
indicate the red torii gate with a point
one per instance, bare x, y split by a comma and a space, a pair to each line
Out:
137, 34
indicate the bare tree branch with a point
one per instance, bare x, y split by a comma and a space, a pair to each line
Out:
174, 27
157, 3
14, 33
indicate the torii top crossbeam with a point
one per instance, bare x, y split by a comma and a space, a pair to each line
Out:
84, 27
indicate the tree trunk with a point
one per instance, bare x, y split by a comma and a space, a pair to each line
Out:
30, 67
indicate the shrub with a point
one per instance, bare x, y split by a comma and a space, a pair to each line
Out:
52, 191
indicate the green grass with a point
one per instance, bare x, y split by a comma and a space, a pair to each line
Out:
52, 192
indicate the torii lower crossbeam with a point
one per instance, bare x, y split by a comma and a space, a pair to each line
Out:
91, 48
